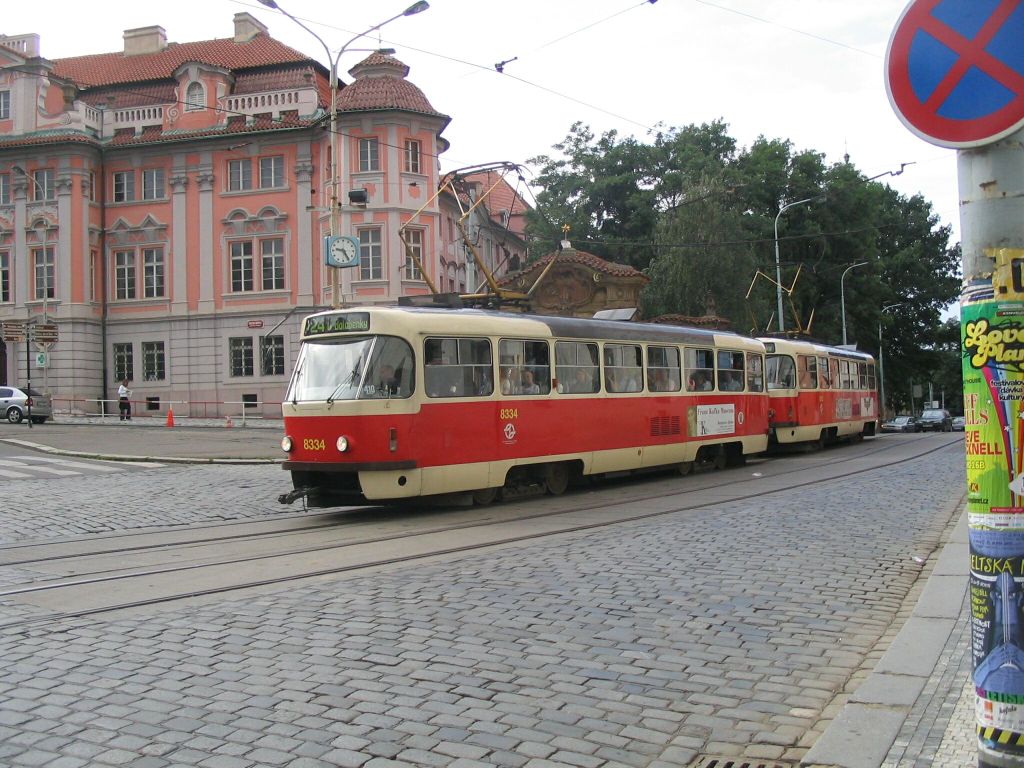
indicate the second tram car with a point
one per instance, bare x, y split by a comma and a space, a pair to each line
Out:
389, 403
819, 394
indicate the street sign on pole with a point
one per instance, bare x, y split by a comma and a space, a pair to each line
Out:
954, 73
13, 330
45, 333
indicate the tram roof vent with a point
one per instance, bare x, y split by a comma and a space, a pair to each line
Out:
623, 313
440, 300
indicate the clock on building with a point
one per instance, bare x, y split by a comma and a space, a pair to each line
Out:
341, 251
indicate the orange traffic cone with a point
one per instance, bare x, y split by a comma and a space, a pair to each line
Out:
170, 417
228, 422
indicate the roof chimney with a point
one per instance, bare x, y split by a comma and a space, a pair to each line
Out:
144, 40
247, 27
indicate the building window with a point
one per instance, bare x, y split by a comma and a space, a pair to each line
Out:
5, 277
5, 189
272, 255
239, 175
272, 355
271, 172
153, 184
412, 156
92, 186
43, 188
124, 186
5, 105
93, 257
153, 273
42, 259
153, 361
369, 158
241, 355
195, 97
241, 266
124, 275
414, 239
124, 367
370, 254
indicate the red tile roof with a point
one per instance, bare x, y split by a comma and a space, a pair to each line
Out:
380, 84
116, 68
503, 197
572, 256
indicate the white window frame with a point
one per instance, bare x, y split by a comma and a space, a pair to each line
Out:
413, 153
241, 264
240, 175
5, 105
153, 273
125, 276
369, 154
5, 277
371, 253
43, 259
154, 361
192, 91
240, 350
272, 172
153, 187
415, 238
272, 263
43, 178
123, 186
5, 189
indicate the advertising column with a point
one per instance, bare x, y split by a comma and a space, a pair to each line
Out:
955, 77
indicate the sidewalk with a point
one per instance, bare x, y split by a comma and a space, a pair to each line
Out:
916, 708
150, 439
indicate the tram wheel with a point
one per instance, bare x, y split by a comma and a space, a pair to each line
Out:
684, 468
484, 496
720, 461
556, 479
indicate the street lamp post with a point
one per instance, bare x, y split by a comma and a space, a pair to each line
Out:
842, 295
415, 8
881, 364
778, 265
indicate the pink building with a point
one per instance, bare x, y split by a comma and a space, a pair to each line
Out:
165, 206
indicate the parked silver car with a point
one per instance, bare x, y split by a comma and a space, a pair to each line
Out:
14, 405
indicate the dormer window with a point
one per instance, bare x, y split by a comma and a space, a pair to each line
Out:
195, 97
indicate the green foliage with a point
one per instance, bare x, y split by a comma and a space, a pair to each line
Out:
698, 214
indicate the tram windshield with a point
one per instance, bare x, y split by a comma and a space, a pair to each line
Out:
781, 372
352, 368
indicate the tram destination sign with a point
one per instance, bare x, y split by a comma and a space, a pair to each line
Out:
350, 322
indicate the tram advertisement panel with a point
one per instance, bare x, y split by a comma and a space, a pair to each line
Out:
993, 369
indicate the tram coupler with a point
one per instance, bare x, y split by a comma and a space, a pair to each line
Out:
291, 496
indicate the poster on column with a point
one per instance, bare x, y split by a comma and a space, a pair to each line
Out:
993, 369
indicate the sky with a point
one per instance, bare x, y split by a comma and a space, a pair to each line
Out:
810, 71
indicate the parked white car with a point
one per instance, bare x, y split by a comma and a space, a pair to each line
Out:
14, 405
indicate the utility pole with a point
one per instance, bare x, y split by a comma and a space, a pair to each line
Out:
950, 109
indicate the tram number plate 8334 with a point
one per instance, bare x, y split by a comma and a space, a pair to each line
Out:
508, 413
314, 444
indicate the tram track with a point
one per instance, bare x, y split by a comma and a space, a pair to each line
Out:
100, 590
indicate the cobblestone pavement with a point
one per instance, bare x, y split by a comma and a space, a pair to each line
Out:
172, 495
723, 631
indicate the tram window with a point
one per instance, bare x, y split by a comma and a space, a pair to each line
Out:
833, 369
576, 366
844, 373
823, 380
871, 377
862, 375
755, 372
730, 371
663, 369
781, 372
700, 369
807, 371
391, 371
458, 367
525, 367
623, 368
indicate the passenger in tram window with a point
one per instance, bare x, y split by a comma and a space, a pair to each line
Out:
510, 383
727, 382
698, 382
581, 381
389, 383
632, 383
528, 386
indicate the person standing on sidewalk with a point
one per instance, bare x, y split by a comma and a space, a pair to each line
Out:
124, 405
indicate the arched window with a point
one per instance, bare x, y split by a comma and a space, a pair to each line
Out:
195, 97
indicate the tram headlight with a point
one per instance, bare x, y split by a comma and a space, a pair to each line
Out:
342, 444
286, 444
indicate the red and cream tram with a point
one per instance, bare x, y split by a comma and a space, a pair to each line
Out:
387, 403
819, 394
